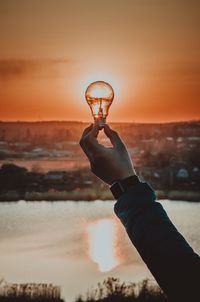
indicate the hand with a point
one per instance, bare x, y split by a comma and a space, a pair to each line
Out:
109, 164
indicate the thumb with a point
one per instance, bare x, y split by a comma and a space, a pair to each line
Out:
113, 136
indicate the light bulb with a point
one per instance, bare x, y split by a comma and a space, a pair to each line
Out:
99, 96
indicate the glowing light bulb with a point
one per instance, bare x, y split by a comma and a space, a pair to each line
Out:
99, 96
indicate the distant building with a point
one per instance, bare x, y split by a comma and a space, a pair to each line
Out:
55, 176
195, 174
182, 174
39, 152
194, 138
156, 175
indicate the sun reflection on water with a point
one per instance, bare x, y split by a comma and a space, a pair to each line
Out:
102, 244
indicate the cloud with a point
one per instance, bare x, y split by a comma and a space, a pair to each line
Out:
10, 69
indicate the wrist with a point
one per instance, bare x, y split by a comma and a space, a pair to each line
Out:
125, 176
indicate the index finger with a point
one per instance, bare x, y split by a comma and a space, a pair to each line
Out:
89, 142
95, 130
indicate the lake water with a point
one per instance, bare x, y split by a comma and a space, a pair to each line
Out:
77, 244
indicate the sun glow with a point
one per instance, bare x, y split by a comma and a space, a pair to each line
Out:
86, 80
102, 244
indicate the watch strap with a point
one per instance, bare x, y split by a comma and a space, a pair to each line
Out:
119, 187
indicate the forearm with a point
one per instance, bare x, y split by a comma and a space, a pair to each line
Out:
170, 259
168, 256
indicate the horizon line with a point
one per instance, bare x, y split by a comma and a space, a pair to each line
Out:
112, 122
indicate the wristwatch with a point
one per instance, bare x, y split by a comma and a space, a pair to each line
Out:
119, 187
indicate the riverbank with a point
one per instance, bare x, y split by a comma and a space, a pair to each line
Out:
92, 194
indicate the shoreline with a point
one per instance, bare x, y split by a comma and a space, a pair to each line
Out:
92, 195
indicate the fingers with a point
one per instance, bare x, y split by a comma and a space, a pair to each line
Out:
92, 129
89, 142
95, 130
87, 130
83, 140
113, 136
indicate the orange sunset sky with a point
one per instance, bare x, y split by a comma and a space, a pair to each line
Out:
148, 50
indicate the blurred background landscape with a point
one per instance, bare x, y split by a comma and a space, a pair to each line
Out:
59, 237
55, 215
43, 160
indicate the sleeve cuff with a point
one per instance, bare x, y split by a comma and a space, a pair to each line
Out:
136, 199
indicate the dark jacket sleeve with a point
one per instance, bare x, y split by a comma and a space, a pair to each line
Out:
173, 263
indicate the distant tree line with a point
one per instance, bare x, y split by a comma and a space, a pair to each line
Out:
113, 290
